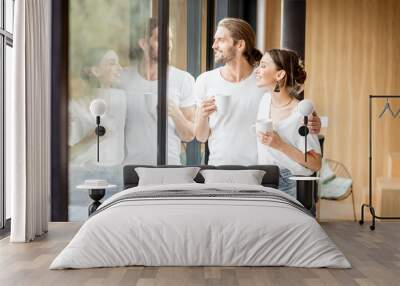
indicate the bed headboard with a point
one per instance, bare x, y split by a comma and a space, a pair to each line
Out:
270, 179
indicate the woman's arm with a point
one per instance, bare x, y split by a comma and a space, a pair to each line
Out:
313, 158
273, 140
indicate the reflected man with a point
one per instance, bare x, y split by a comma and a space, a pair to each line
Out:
140, 83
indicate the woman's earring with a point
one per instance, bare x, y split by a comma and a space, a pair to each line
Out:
277, 87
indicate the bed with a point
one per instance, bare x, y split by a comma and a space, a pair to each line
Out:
197, 224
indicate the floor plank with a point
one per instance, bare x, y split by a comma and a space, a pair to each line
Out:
375, 257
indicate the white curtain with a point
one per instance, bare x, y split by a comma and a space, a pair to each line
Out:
29, 121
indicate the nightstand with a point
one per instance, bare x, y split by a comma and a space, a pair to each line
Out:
97, 190
305, 189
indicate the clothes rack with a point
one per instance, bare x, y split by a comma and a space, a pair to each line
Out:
369, 205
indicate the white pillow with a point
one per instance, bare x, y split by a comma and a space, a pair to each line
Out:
163, 176
248, 177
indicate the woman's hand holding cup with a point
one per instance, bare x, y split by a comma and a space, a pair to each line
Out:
262, 126
271, 139
264, 129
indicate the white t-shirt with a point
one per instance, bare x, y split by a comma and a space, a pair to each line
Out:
141, 124
288, 131
82, 122
231, 141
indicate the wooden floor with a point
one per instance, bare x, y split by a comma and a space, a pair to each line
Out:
375, 257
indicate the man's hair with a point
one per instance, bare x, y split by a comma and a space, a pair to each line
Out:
145, 32
241, 30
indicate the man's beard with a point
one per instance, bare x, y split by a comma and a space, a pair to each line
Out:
153, 55
229, 56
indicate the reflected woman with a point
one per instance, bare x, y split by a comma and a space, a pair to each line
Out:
101, 72
282, 73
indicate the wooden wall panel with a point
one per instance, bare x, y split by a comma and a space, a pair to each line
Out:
178, 27
353, 50
273, 24
178, 24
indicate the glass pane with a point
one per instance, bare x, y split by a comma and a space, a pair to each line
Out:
8, 88
9, 15
185, 65
113, 61
1, 16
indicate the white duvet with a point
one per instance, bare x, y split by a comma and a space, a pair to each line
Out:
200, 231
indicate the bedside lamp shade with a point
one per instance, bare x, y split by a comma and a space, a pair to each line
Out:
98, 107
305, 107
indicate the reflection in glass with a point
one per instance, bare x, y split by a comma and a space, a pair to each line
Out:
101, 71
9, 15
101, 34
140, 83
113, 56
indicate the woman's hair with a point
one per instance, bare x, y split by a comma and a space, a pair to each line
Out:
93, 57
241, 30
145, 31
290, 62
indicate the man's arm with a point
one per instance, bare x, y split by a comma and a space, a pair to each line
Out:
202, 129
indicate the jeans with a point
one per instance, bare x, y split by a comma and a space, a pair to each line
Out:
285, 184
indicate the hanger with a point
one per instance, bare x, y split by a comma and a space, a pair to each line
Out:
387, 107
397, 113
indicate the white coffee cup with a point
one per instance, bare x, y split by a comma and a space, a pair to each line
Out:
262, 126
222, 103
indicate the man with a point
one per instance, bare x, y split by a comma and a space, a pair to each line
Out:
229, 135
140, 83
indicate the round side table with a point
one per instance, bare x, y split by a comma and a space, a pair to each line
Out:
96, 193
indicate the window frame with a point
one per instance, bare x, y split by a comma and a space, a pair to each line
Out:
59, 110
6, 39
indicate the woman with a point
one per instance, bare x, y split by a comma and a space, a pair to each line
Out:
282, 73
101, 72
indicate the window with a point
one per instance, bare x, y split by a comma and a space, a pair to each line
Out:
113, 57
6, 56
114, 52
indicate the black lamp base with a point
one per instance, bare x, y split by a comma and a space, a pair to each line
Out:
96, 195
305, 193
100, 130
